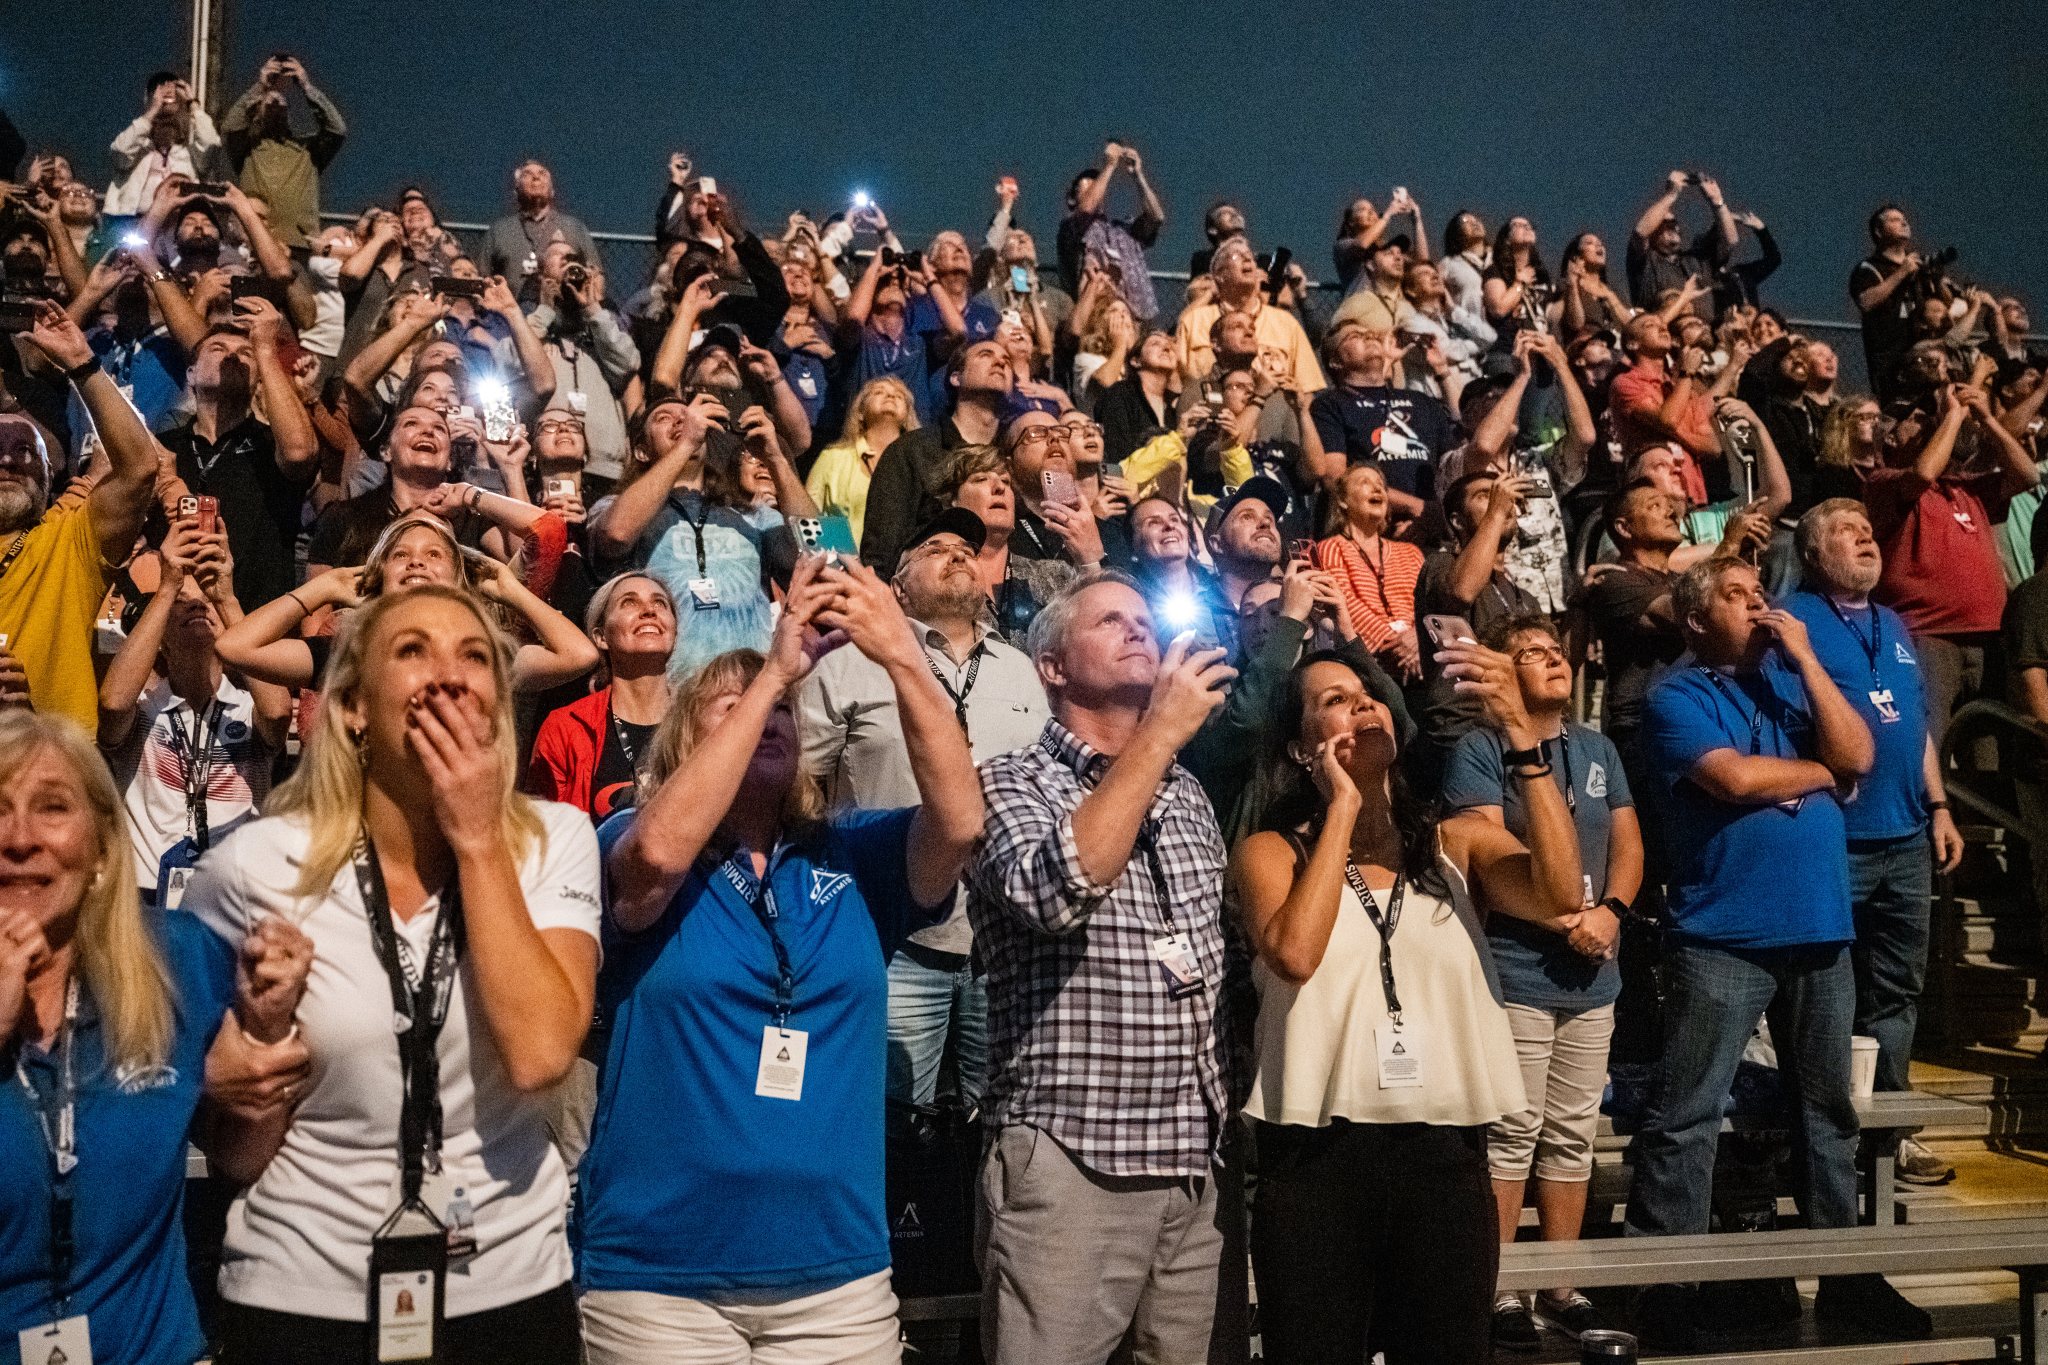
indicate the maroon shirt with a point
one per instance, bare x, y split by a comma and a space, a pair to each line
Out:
1941, 569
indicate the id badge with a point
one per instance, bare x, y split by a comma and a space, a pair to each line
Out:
450, 1203
1887, 710
703, 594
781, 1076
65, 1342
578, 401
1400, 1056
408, 1275
1177, 965
173, 872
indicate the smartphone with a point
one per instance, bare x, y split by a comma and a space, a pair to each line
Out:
559, 486
1450, 630
17, 314
1006, 184
248, 287
1112, 469
707, 185
188, 506
499, 417
209, 515
809, 531
835, 533
455, 287
738, 289
1212, 395
1302, 549
1276, 273
1020, 279
1061, 488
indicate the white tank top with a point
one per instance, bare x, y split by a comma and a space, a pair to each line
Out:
1316, 1043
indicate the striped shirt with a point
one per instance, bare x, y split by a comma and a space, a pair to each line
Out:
1378, 590
1086, 1041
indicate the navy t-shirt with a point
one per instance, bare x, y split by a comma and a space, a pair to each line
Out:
1869, 654
1745, 876
1537, 966
693, 1183
128, 1190
923, 318
1403, 431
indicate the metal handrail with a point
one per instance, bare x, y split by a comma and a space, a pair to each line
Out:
1965, 728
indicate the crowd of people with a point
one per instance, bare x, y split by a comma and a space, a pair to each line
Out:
1263, 762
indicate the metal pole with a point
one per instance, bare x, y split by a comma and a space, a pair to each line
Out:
209, 51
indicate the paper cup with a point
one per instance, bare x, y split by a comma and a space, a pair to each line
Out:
1862, 1066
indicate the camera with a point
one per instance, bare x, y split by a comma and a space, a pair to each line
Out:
17, 313
576, 275
1939, 261
909, 260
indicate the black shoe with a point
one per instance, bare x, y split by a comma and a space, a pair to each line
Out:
1745, 1305
1571, 1315
1513, 1328
1664, 1318
1867, 1306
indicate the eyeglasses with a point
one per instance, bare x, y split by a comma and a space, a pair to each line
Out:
1033, 437
1540, 654
561, 424
1082, 426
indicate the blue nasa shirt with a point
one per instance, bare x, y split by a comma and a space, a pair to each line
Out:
129, 1187
694, 1183
1869, 653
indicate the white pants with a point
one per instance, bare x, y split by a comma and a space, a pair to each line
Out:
854, 1324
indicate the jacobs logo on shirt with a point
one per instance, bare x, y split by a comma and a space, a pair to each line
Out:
826, 885
1596, 781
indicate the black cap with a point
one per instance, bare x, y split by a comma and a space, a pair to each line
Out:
1399, 239
1258, 488
955, 521
724, 334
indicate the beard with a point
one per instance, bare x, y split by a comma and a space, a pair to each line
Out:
21, 506
1853, 574
950, 601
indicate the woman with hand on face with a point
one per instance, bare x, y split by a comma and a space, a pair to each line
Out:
454, 933
1381, 1048
111, 1021
416, 551
732, 1192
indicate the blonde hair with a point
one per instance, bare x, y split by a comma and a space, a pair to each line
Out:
327, 790
371, 583
119, 961
1838, 432
730, 672
857, 411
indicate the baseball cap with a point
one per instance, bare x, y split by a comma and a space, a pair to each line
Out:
952, 521
1257, 488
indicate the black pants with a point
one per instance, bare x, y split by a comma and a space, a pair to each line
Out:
542, 1330
1379, 1232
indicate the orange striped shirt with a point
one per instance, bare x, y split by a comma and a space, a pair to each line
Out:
1378, 591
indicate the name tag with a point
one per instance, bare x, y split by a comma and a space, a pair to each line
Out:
1881, 698
1177, 966
1966, 521
703, 595
783, 1051
56, 1343
1400, 1056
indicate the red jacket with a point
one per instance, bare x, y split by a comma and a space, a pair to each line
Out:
566, 750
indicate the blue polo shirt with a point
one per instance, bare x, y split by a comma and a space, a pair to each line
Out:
129, 1187
150, 370
1745, 876
1867, 650
1537, 966
923, 317
906, 360
693, 1183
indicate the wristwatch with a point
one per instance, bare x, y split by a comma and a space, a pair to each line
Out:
1531, 757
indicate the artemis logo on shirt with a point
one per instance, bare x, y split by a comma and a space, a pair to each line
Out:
1899, 653
1596, 781
826, 885
130, 1079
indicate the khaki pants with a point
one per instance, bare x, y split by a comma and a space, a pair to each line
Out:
853, 1324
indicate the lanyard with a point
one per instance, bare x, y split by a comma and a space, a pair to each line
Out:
625, 742
1026, 523
13, 552
1873, 644
1564, 760
762, 899
1379, 575
1386, 924
57, 1114
1148, 842
418, 1012
1753, 711
966, 689
697, 521
197, 751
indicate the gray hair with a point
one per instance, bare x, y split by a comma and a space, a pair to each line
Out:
1696, 587
1819, 520
1048, 634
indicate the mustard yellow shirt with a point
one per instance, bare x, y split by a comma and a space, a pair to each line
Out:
49, 598
1275, 329
839, 482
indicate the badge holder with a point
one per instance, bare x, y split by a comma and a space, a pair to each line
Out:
408, 1280
173, 872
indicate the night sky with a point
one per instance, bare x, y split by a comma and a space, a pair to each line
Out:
1288, 107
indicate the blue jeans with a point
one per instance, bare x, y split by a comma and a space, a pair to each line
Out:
1713, 999
1890, 881
931, 995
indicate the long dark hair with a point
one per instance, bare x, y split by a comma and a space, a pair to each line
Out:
1282, 795
1502, 267
1572, 249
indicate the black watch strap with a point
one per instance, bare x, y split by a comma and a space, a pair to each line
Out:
83, 370
1523, 758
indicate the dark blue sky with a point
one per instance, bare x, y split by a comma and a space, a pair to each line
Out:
1569, 112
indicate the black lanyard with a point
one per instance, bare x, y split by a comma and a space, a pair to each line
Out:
197, 751
625, 743
697, 521
418, 1012
1379, 575
1148, 843
1564, 761
1873, 644
1386, 925
762, 899
966, 689
57, 1114
1754, 711
13, 552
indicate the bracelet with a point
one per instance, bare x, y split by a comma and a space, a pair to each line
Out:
293, 593
1937, 805
473, 497
1530, 774
257, 1042
83, 370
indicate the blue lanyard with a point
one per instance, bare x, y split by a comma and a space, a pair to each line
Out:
762, 899
57, 1114
1754, 712
1873, 644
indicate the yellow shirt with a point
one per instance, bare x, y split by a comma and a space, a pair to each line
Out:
1143, 466
1275, 329
1376, 311
49, 598
839, 482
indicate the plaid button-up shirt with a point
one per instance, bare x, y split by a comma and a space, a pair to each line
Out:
1085, 1040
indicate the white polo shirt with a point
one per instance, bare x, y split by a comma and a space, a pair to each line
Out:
298, 1241
152, 765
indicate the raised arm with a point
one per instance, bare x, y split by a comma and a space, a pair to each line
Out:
120, 500
635, 504
134, 663
781, 405
1475, 564
535, 365
1290, 906
561, 652
758, 431
2021, 473
1490, 437
1660, 208
291, 427
666, 374
411, 315
1730, 232
263, 646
